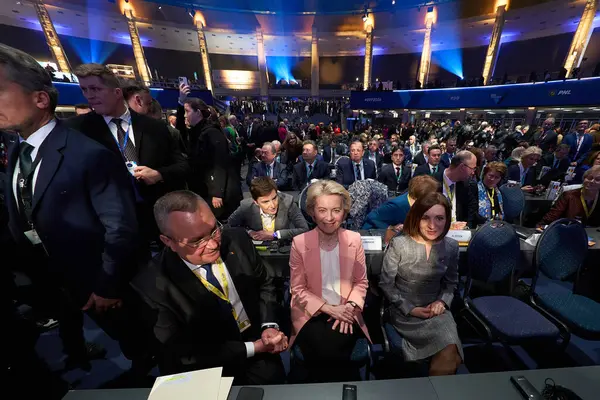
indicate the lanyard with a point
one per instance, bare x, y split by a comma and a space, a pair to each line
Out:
449, 194
24, 184
224, 295
122, 149
399, 174
492, 202
579, 143
587, 211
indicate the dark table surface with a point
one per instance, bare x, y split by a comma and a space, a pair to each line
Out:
584, 381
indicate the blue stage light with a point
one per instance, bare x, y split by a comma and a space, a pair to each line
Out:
91, 51
281, 67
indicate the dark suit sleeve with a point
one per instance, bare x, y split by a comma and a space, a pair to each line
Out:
373, 174
217, 182
513, 173
177, 341
177, 166
339, 176
268, 299
282, 177
473, 207
237, 218
111, 197
296, 219
296, 181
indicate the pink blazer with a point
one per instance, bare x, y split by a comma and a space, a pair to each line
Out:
306, 285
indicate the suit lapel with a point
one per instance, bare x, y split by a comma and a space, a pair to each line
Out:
256, 221
13, 156
51, 158
96, 128
347, 253
313, 261
281, 218
187, 281
137, 131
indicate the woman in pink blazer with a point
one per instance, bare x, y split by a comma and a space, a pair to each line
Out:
329, 285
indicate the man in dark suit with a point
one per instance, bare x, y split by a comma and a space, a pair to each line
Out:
547, 138
256, 159
153, 157
580, 143
355, 168
213, 173
433, 166
396, 175
557, 164
71, 209
461, 190
450, 152
373, 154
269, 167
421, 157
333, 151
310, 167
269, 215
213, 300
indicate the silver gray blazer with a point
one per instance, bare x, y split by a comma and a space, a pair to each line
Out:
289, 221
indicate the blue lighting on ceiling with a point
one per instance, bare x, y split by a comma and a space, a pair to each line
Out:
281, 67
91, 51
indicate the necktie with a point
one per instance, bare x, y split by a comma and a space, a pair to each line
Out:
25, 162
129, 152
210, 277
310, 169
434, 170
269, 171
397, 172
358, 176
249, 131
555, 164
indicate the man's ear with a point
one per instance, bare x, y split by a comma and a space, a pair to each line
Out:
167, 242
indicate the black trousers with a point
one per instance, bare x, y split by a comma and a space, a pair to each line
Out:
327, 352
262, 369
53, 299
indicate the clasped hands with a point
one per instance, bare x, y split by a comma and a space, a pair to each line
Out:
271, 341
261, 235
343, 316
434, 309
147, 175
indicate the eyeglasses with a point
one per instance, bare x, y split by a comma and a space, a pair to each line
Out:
472, 169
201, 244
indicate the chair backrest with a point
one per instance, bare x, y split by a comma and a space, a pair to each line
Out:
302, 204
513, 201
493, 252
560, 250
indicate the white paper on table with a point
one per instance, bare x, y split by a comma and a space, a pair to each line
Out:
225, 387
460, 235
203, 384
372, 243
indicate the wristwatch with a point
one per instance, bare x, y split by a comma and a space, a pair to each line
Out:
271, 325
275, 236
353, 304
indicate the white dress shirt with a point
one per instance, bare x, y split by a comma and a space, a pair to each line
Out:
125, 124
330, 276
35, 140
448, 183
232, 295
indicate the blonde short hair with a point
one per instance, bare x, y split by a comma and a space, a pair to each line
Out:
325, 188
531, 150
517, 153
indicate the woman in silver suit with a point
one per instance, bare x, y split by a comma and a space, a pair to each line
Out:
419, 275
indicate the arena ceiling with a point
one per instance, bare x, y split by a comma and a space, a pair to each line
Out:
459, 24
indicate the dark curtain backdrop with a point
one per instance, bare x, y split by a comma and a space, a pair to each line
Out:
233, 62
28, 40
523, 56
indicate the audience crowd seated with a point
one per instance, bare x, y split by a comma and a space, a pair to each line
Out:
140, 223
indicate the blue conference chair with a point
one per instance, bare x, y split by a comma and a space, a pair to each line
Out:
302, 206
559, 255
493, 256
361, 356
513, 202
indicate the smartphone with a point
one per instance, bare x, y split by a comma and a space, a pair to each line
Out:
250, 393
184, 80
527, 390
349, 392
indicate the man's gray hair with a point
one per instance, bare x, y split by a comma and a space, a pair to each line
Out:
179, 200
271, 146
22, 69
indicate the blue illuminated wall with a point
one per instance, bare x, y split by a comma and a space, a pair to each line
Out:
288, 68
